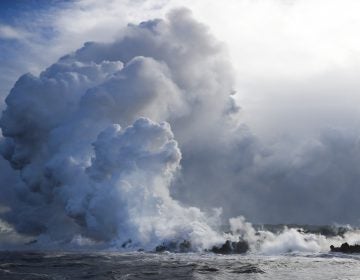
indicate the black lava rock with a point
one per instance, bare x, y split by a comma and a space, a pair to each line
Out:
231, 247
174, 246
346, 248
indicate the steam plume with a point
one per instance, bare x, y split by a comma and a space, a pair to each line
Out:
88, 136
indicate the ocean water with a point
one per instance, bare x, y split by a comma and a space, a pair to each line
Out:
139, 265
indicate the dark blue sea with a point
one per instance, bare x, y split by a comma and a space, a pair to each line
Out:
139, 265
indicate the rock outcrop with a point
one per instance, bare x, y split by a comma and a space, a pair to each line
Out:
231, 247
346, 248
172, 246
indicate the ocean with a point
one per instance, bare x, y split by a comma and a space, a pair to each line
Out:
20, 265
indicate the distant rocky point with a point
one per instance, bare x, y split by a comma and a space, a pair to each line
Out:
346, 248
231, 247
172, 246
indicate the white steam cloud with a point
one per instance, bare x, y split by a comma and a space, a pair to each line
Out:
107, 143
89, 139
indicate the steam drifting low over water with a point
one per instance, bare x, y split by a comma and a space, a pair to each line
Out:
98, 141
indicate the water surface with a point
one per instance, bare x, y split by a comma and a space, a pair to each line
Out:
110, 265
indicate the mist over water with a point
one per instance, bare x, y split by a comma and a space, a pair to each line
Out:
109, 145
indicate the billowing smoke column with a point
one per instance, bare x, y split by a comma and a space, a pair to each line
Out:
104, 139
93, 136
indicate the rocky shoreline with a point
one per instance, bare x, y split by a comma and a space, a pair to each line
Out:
346, 248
